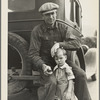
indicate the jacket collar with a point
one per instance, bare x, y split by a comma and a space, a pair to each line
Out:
62, 67
45, 28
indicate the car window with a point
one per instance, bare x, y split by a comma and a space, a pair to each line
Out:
20, 5
67, 9
72, 11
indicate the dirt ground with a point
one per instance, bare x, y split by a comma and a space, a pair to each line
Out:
93, 88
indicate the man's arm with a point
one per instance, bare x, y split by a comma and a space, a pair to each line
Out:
34, 55
34, 49
70, 42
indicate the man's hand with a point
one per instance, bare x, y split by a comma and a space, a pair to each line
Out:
54, 49
47, 69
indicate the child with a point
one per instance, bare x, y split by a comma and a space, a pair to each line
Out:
64, 76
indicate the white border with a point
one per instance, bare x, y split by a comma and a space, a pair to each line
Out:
4, 41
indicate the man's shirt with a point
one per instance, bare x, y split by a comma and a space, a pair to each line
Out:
43, 38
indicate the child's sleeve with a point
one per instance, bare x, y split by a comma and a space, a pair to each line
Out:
69, 73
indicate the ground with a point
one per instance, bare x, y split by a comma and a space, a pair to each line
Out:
92, 85
31, 95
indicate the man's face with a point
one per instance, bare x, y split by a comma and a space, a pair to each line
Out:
50, 18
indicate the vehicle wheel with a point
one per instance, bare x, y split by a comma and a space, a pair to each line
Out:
93, 77
17, 57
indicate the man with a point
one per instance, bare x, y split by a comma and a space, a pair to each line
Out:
45, 39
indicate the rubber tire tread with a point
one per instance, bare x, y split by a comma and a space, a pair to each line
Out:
22, 46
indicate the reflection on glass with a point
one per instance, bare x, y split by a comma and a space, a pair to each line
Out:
20, 5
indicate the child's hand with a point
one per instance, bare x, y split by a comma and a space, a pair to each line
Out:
67, 95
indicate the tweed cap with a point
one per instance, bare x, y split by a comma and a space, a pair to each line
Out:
48, 8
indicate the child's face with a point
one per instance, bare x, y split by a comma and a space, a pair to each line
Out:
60, 58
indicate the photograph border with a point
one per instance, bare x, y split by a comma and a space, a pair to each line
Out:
4, 47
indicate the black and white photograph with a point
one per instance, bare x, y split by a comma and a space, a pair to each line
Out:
49, 50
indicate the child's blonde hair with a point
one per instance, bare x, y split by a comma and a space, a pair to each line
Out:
58, 50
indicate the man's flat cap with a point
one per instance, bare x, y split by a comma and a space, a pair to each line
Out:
48, 7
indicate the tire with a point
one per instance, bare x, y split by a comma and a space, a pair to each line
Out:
20, 46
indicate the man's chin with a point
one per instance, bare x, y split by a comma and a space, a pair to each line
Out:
51, 23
